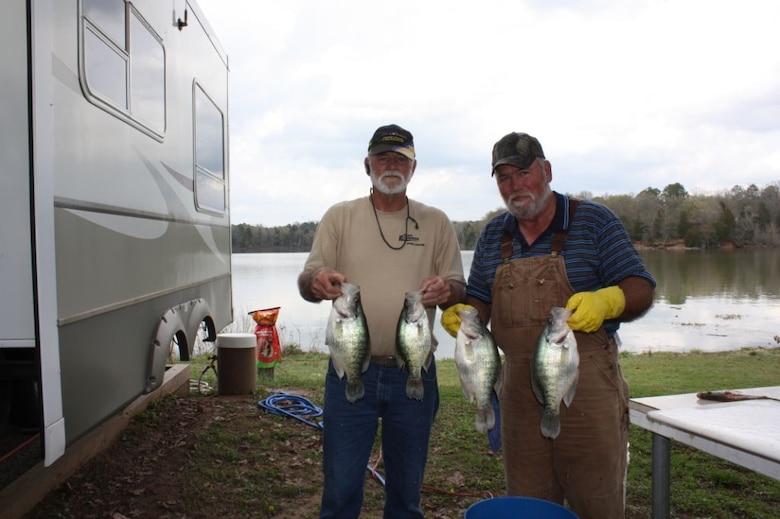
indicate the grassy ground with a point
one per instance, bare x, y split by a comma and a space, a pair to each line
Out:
207, 456
702, 485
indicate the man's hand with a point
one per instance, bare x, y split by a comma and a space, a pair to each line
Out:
450, 320
320, 284
591, 309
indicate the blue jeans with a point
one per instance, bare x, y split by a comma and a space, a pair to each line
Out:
349, 431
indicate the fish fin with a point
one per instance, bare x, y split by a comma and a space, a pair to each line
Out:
537, 388
569, 396
499, 384
427, 363
414, 388
355, 390
551, 424
486, 419
481, 421
338, 366
330, 333
338, 328
468, 351
366, 363
468, 389
490, 417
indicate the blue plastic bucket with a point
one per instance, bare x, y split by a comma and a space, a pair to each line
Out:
516, 507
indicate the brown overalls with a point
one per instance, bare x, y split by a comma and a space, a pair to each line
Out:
586, 464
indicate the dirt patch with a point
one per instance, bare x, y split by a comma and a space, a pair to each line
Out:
207, 457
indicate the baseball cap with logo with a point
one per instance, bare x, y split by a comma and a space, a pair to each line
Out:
392, 138
518, 149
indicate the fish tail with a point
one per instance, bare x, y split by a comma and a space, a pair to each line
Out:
355, 390
414, 388
551, 424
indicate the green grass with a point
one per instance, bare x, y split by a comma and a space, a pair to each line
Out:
702, 486
672, 373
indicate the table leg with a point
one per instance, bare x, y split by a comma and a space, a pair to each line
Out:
661, 457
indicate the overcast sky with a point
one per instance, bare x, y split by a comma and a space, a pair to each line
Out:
623, 95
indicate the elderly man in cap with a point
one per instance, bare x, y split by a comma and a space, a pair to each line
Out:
387, 245
553, 250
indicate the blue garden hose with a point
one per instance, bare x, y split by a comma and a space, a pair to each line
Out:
293, 406
304, 411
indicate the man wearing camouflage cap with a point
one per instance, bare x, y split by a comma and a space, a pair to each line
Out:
552, 250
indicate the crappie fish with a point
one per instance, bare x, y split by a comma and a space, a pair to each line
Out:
479, 365
414, 343
555, 369
347, 337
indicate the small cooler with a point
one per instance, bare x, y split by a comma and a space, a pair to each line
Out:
236, 374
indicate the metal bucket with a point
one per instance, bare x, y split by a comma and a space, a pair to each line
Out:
516, 507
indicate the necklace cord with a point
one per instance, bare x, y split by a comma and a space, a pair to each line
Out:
406, 222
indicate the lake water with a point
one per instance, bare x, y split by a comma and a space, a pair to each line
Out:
705, 300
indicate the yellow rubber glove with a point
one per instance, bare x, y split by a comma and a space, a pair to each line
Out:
450, 320
592, 308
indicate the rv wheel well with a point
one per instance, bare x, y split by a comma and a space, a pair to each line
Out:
205, 332
179, 328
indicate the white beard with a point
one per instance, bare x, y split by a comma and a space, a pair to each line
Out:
382, 187
532, 207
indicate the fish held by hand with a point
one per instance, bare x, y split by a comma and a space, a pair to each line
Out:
555, 370
414, 343
479, 365
348, 340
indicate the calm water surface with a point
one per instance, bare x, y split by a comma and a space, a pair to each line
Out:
705, 300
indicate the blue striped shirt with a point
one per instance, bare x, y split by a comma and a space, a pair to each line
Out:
598, 251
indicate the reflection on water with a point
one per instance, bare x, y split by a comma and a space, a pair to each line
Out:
740, 274
708, 301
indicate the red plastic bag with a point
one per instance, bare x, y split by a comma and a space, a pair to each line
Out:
269, 348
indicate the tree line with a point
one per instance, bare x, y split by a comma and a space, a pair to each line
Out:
741, 216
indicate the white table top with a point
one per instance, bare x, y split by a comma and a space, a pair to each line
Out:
746, 432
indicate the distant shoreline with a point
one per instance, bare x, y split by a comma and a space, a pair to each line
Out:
677, 245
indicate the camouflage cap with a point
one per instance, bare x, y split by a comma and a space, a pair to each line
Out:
518, 149
392, 138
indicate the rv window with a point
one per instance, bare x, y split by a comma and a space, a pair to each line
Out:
210, 193
109, 16
147, 73
106, 69
209, 154
124, 64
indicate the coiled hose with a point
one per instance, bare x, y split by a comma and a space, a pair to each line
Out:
303, 410
293, 406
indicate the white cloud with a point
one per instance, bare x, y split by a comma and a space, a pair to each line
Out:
622, 95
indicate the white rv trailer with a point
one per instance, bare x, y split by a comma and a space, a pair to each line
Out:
114, 214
